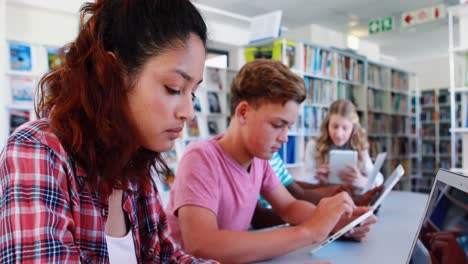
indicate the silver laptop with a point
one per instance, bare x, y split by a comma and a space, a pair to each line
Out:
443, 232
375, 171
392, 180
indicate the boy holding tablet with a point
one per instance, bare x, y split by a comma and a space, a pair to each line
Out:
218, 181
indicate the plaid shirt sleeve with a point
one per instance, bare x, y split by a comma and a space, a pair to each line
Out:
36, 222
160, 247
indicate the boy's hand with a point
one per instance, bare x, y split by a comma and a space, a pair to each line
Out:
360, 232
327, 214
368, 197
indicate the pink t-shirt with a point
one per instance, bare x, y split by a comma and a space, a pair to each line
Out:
208, 177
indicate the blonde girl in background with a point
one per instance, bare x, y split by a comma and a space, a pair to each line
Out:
341, 130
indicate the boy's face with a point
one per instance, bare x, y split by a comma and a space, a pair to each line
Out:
266, 127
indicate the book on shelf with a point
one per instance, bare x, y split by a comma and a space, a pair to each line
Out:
20, 57
215, 78
313, 117
273, 51
193, 129
55, 57
375, 99
350, 69
213, 102
22, 89
197, 104
319, 91
17, 118
296, 127
287, 151
319, 61
213, 127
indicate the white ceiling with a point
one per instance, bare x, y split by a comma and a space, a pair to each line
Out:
352, 16
347, 16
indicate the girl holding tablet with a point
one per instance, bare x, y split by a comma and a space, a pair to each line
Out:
340, 130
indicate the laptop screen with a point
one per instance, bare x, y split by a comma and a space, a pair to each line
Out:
443, 235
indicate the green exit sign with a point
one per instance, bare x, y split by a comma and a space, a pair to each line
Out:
381, 25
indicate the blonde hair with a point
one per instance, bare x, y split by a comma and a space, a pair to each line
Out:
357, 141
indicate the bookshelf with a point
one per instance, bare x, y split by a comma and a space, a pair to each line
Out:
458, 58
329, 74
393, 119
212, 113
386, 98
25, 64
435, 134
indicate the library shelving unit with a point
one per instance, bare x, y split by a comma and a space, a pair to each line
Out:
393, 118
329, 74
458, 57
435, 134
212, 113
386, 98
26, 64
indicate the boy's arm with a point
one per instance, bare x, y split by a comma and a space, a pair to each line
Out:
313, 193
203, 238
265, 217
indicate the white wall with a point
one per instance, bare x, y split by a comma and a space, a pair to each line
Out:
322, 36
318, 35
432, 72
40, 26
3, 59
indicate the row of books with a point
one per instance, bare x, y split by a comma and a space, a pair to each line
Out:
324, 92
21, 57
320, 91
378, 76
328, 63
376, 99
428, 131
350, 69
428, 148
378, 123
214, 126
400, 147
399, 124
429, 164
400, 81
428, 98
399, 103
319, 61
377, 145
313, 117
428, 114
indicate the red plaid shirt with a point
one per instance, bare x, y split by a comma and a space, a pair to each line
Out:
49, 215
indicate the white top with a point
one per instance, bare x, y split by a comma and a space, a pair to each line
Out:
121, 249
366, 164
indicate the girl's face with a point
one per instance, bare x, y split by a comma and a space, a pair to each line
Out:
340, 129
161, 100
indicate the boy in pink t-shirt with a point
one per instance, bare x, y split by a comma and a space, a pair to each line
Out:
218, 181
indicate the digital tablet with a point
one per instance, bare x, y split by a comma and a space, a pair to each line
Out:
340, 160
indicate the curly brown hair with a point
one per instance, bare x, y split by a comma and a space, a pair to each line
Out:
358, 140
85, 99
266, 81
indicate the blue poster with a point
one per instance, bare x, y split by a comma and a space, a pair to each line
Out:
20, 57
